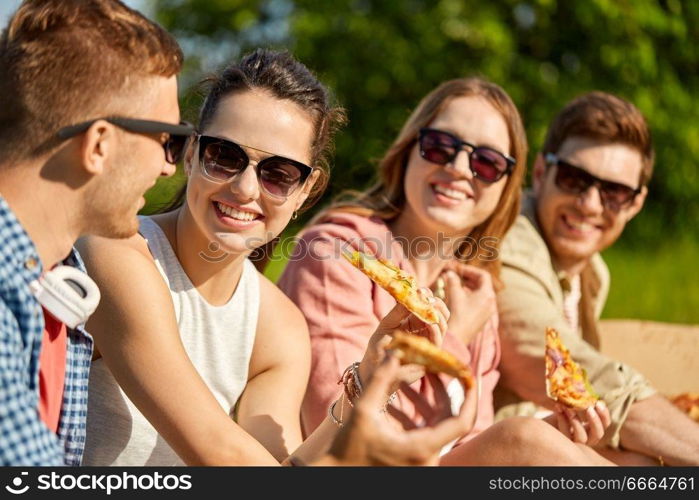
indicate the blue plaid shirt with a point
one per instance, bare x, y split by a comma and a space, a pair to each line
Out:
24, 438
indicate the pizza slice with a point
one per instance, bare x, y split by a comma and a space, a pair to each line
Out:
566, 381
413, 349
688, 403
401, 285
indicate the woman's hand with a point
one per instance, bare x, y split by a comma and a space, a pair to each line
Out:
582, 426
400, 319
370, 438
469, 294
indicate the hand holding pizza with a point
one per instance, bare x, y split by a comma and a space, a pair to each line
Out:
583, 426
400, 319
369, 438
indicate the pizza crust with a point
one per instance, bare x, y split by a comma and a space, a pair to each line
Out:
413, 349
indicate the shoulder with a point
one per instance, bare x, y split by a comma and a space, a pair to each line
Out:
276, 309
336, 231
118, 262
526, 265
523, 246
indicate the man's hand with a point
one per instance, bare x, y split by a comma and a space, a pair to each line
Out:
370, 438
582, 426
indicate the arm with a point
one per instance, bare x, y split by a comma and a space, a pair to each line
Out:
337, 302
143, 350
269, 408
26, 441
525, 311
369, 438
656, 428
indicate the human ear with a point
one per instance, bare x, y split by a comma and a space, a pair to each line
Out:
538, 173
307, 188
99, 144
637, 204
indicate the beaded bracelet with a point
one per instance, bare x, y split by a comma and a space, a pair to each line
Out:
353, 385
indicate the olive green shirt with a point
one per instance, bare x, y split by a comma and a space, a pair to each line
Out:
530, 301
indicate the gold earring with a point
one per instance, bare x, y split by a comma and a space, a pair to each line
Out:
295, 215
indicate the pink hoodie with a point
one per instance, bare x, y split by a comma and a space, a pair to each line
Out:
343, 308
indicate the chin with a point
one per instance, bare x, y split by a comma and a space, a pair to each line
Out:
575, 251
236, 243
120, 231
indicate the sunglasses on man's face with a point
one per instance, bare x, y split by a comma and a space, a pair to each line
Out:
575, 180
221, 160
486, 164
174, 146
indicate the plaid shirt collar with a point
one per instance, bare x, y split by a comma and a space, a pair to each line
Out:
26, 440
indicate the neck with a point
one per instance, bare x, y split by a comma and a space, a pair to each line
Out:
214, 273
569, 266
47, 210
428, 251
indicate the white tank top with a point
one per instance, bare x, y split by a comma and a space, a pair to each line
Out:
218, 340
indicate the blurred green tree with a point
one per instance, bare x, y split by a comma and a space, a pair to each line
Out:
381, 57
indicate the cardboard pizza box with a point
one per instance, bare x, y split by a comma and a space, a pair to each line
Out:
667, 354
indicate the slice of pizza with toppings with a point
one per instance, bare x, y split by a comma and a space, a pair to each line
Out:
413, 349
566, 381
401, 285
688, 403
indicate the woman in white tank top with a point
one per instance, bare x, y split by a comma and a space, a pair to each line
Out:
199, 359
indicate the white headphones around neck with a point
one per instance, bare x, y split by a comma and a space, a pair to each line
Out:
68, 294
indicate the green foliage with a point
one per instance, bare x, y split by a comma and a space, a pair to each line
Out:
381, 57
657, 283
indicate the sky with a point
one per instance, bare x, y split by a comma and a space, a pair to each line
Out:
7, 7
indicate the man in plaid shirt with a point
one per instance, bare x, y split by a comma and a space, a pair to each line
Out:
70, 72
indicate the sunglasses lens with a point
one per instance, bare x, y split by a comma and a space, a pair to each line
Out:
488, 165
223, 161
571, 179
576, 181
617, 195
437, 147
174, 148
279, 177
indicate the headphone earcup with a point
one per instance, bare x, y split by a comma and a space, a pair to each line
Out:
68, 294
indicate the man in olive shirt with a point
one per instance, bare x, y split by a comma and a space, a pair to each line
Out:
590, 179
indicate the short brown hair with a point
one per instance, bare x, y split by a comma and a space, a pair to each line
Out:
604, 117
67, 61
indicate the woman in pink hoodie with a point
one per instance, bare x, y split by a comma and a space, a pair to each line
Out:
448, 190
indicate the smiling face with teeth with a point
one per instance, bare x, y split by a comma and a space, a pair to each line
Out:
449, 199
575, 227
237, 214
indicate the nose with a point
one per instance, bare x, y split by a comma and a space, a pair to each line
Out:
168, 170
461, 164
245, 185
590, 200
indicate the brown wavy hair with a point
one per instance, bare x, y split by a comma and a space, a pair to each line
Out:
386, 198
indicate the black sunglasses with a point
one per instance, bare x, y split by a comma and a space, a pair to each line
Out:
487, 164
174, 146
576, 180
221, 160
